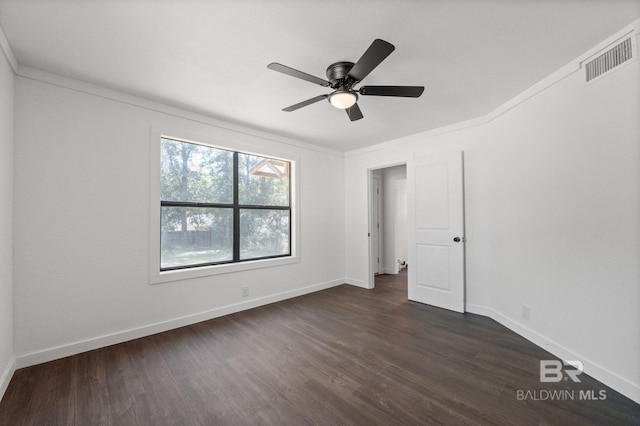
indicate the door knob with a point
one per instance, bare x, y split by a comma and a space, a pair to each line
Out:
456, 239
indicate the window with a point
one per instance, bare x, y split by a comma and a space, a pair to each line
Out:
219, 206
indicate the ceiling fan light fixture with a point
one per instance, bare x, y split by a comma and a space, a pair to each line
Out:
343, 99
343, 76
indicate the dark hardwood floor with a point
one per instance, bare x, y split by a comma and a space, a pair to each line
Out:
340, 356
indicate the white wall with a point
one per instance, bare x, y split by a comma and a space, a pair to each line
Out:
82, 168
390, 177
400, 245
552, 189
6, 221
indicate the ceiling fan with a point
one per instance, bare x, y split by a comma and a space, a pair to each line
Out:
343, 76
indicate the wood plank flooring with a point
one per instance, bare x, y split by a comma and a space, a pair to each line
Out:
340, 356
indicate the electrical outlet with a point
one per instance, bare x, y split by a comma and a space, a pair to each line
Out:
245, 291
526, 312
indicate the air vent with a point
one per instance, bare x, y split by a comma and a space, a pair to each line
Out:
617, 55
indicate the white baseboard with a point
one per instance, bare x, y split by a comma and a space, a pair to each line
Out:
620, 384
6, 376
356, 282
625, 387
62, 351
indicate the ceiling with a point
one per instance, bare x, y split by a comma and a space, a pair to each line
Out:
211, 56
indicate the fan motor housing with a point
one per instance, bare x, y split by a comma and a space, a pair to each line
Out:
337, 73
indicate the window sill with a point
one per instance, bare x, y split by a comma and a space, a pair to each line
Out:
204, 271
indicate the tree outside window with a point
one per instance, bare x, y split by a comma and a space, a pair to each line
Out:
221, 206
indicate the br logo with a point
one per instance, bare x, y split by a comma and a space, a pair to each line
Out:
552, 370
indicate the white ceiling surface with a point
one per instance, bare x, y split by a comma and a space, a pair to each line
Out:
211, 56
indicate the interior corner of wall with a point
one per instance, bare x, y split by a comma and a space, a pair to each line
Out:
6, 375
8, 52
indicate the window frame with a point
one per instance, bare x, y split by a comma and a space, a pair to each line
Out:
236, 143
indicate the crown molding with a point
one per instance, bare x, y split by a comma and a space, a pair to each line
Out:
633, 29
164, 108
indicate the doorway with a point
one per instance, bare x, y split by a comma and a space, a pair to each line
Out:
392, 285
387, 221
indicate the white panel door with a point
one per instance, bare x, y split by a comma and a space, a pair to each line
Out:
435, 221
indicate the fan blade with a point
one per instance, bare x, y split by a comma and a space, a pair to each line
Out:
298, 74
404, 91
305, 103
354, 112
375, 54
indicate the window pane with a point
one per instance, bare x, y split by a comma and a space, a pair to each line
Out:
194, 235
263, 181
263, 233
195, 173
